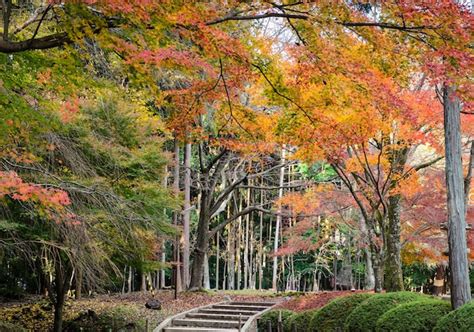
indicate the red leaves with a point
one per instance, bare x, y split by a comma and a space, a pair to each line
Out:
13, 186
69, 109
314, 301
172, 56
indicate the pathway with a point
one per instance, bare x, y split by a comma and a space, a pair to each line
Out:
221, 317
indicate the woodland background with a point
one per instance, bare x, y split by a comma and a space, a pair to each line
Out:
292, 146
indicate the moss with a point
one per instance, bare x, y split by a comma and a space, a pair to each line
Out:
416, 316
120, 318
459, 320
272, 316
9, 327
365, 316
299, 322
333, 315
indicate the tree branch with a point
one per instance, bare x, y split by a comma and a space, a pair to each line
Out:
42, 43
234, 17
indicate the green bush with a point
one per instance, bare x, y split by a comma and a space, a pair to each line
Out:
120, 318
365, 316
299, 322
272, 316
333, 315
459, 320
9, 327
416, 316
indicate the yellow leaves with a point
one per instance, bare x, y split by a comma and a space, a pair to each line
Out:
359, 163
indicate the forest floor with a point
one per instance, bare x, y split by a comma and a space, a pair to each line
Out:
36, 314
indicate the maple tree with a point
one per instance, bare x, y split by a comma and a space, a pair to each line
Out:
167, 133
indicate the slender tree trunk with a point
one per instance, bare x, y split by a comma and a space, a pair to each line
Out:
252, 275
217, 260
393, 274
369, 270
260, 254
438, 284
460, 287
231, 255
186, 214
78, 284
377, 261
260, 245
278, 222
238, 264
202, 242
176, 246
162, 271
161, 274
143, 282
129, 280
246, 245
207, 281
61, 283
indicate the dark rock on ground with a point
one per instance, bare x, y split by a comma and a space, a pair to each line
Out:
153, 304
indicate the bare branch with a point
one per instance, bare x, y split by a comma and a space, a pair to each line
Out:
236, 17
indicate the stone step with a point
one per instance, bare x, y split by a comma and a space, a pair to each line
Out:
193, 322
227, 311
257, 304
239, 307
219, 316
197, 329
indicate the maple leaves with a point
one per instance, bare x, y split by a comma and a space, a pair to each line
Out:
47, 200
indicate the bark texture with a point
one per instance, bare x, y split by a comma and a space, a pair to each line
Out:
458, 263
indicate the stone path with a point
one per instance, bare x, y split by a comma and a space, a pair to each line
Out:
223, 317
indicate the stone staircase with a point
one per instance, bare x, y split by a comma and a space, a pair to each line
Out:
222, 317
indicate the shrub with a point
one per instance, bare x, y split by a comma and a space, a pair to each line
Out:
120, 318
299, 322
417, 316
365, 316
9, 327
12, 292
333, 315
459, 320
272, 316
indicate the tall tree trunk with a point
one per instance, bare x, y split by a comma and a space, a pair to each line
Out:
260, 254
246, 244
207, 281
377, 263
278, 222
62, 274
238, 247
78, 283
458, 263
163, 271
143, 281
260, 245
129, 280
393, 274
161, 274
176, 246
252, 275
186, 214
438, 284
369, 269
231, 255
202, 242
217, 259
